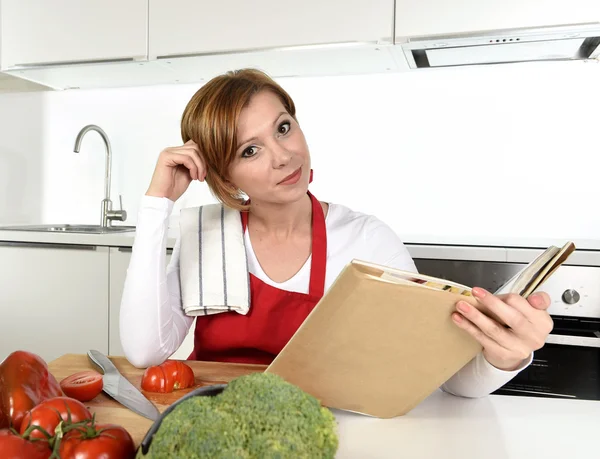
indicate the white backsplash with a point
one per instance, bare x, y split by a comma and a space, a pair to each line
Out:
490, 152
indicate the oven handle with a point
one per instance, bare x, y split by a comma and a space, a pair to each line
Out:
567, 340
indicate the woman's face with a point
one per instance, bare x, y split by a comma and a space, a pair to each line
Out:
272, 162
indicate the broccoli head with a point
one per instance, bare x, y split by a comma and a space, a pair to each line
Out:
256, 416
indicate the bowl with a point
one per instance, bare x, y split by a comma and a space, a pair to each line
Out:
206, 391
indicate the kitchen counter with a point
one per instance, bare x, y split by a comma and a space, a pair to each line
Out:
449, 248
117, 239
493, 427
442, 426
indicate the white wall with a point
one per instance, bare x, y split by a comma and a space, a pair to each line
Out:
487, 152
21, 157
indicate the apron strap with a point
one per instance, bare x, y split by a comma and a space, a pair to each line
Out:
318, 264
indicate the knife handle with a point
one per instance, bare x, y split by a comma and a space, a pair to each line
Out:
102, 361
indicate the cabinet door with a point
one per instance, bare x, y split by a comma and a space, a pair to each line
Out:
64, 31
119, 262
432, 17
203, 26
53, 299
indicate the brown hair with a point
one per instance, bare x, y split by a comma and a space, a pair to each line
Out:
210, 119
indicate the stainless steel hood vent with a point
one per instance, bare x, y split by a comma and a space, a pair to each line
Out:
569, 42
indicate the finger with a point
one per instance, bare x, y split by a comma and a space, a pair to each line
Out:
494, 353
194, 152
540, 300
525, 306
490, 327
535, 325
476, 332
512, 316
187, 161
202, 170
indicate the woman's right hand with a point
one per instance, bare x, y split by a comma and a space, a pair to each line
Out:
175, 169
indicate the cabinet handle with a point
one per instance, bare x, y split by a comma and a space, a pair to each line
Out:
34, 65
47, 245
275, 48
128, 249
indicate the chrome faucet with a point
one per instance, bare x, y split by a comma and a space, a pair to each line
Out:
108, 214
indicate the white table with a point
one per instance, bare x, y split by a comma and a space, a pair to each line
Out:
493, 427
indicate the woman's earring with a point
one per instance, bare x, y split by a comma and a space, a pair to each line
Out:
311, 176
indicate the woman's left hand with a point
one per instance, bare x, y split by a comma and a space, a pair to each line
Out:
507, 348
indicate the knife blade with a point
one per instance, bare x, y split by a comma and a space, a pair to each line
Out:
119, 388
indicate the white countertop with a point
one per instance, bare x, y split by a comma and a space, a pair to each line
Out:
117, 239
494, 427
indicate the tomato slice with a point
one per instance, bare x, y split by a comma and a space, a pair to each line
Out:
82, 386
168, 376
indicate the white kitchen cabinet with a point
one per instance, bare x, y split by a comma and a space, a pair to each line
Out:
53, 299
434, 17
119, 262
185, 27
37, 32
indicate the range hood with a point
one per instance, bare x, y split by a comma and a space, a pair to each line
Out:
557, 43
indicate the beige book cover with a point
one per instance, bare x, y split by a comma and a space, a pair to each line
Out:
381, 340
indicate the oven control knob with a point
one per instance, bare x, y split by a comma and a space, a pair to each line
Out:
570, 296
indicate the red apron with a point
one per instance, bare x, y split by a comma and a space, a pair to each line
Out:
274, 314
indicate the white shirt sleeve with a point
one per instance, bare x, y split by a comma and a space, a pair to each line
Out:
152, 323
384, 247
479, 377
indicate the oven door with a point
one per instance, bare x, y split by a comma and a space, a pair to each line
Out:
560, 371
568, 366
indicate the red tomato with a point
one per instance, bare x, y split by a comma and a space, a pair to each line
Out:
82, 386
107, 441
49, 413
15, 447
25, 382
168, 376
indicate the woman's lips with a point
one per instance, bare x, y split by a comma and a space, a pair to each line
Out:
292, 178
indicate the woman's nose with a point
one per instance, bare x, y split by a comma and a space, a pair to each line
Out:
281, 156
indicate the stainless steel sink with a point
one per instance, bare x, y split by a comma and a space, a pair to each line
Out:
94, 229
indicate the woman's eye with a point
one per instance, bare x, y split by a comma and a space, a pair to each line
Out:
284, 127
250, 151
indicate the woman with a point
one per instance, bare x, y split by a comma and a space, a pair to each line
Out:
242, 137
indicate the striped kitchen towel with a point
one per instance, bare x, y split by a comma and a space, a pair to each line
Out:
213, 265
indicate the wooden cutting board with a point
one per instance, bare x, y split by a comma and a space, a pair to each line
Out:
110, 411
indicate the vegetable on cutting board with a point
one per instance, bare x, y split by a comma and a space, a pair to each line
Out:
256, 416
90, 440
82, 386
167, 377
48, 414
24, 382
43, 423
16, 447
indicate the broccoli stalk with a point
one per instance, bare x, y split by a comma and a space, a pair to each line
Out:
256, 416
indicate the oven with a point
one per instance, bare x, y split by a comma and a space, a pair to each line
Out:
568, 366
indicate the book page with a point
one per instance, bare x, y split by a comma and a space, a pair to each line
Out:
519, 282
410, 278
549, 269
434, 285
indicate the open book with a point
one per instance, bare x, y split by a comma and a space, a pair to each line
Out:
381, 340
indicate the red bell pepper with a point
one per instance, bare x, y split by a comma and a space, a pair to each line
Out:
24, 382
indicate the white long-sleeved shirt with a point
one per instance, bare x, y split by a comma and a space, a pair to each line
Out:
153, 324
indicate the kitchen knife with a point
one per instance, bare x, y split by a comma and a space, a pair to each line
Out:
119, 388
